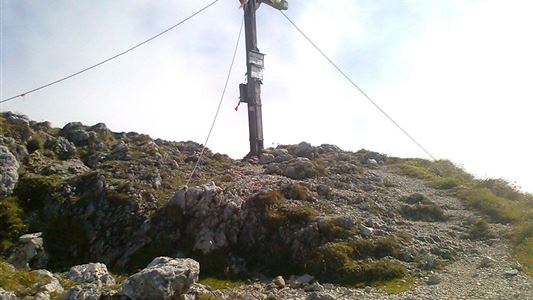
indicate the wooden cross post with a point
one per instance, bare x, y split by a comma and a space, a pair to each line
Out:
251, 91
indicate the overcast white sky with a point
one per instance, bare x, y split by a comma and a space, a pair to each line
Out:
456, 74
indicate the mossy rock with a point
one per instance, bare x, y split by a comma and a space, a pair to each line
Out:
33, 190
330, 230
367, 271
22, 283
290, 216
297, 192
429, 212
335, 263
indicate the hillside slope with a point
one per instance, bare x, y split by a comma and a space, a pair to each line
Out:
348, 219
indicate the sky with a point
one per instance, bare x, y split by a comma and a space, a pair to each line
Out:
455, 74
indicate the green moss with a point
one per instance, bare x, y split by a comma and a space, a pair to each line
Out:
266, 201
423, 212
329, 259
334, 263
367, 272
66, 241
374, 248
220, 283
32, 190
11, 223
331, 231
385, 246
291, 215
397, 285
296, 192
356, 262
22, 283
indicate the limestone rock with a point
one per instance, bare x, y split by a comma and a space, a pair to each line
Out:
163, 278
8, 172
68, 167
93, 273
83, 292
301, 281
366, 231
219, 230
279, 282
75, 133
6, 295
52, 284
61, 146
266, 158
29, 252
42, 296
298, 168
119, 152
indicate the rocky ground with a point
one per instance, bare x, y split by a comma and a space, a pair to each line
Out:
344, 218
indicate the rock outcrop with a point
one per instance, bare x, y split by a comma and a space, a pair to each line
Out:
339, 216
93, 273
8, 172
6, 295
163, 278
29, 253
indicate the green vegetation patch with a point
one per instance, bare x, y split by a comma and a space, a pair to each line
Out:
220, 283
17, 131
32, 190
296, 192
396, 286
497, 199
430, 212
480, 231
441, 174
355, 263
22, 283
498, 209
11, 223
330, 230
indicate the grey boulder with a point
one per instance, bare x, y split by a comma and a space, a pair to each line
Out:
29, 252
163, 278
93, 273
6, 295
8, 172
